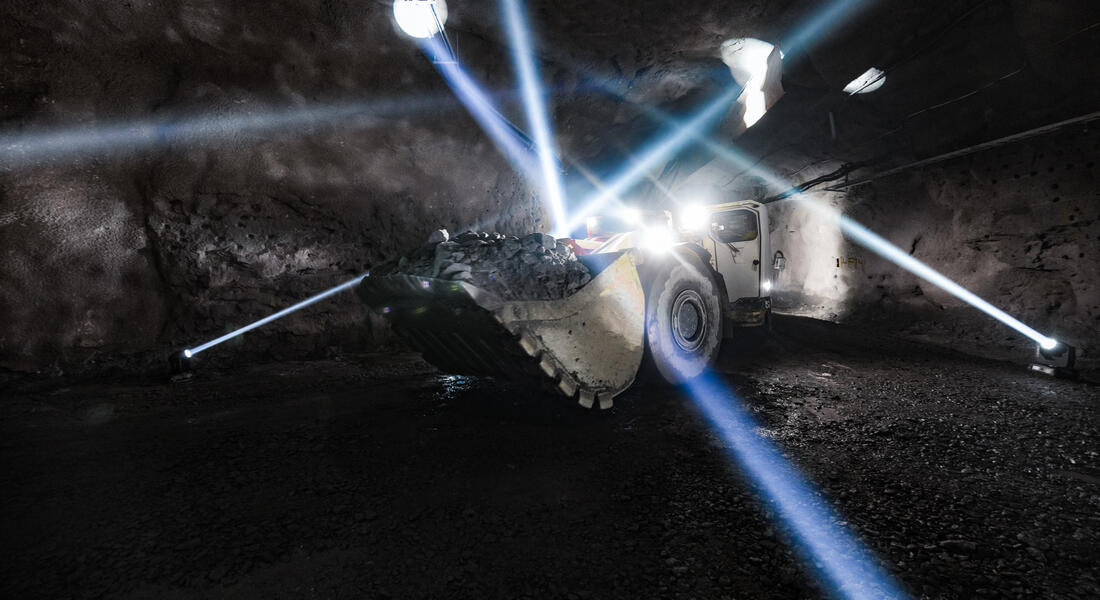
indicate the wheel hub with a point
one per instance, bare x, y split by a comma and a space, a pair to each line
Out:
688, 320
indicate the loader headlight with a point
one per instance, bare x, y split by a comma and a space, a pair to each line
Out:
657, 239
1048, 344
694, 217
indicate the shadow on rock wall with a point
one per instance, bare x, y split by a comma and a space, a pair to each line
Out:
251, 167
1015, 225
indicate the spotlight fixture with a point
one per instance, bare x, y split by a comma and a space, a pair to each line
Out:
1054, 358
871, 80
420, 18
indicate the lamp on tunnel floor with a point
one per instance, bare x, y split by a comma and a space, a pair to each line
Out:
179, 364
1056, 359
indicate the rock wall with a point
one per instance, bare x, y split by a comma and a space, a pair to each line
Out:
1016, 225
216, 162
205, 163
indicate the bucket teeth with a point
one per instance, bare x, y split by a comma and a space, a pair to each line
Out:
568, 386
587, 398
546, 365
606, 400
527, 342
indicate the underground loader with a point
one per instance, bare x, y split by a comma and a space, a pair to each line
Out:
664, 292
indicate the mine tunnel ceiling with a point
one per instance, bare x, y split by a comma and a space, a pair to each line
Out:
955, 73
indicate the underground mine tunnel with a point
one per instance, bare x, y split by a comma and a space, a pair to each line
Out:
533, 299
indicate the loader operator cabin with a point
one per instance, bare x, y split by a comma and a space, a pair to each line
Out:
570, 299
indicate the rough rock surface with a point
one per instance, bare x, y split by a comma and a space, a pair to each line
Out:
1015, 225
302, 143
534, 267
353, 149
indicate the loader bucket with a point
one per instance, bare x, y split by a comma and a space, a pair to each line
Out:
588, 346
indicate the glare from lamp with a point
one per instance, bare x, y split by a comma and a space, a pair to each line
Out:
694, 217
755, 106
420, 18
187, 354
747, 59
657, 239
1048, 344
631, 215
766, 286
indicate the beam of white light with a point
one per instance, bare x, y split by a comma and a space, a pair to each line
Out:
189, 352
877, 244
481, 108
523, 56
818, 25
679, 134
76, 141
845, 568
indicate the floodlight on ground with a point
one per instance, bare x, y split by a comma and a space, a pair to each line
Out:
347, 285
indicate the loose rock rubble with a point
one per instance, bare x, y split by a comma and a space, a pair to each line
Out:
532, 267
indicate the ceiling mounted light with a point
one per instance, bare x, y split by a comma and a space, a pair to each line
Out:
871, 80
420, 18
754, 67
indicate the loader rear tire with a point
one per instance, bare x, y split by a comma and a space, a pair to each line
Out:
683, 319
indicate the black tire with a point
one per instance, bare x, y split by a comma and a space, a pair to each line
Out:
683, 319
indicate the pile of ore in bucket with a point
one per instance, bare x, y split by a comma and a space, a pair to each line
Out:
532, 267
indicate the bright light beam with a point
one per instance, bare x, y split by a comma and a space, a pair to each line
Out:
845, 568
523, 56
481, 108
189, 352
811, 30
74, 141
873, 242
659, 151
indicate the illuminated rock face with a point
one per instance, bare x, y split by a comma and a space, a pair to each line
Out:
150, 246
162, 245
1014, 225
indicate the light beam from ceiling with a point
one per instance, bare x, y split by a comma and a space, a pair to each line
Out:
523, 57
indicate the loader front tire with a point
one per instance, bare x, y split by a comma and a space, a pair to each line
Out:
683, 319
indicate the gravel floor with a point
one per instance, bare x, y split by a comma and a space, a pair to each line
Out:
375, 477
